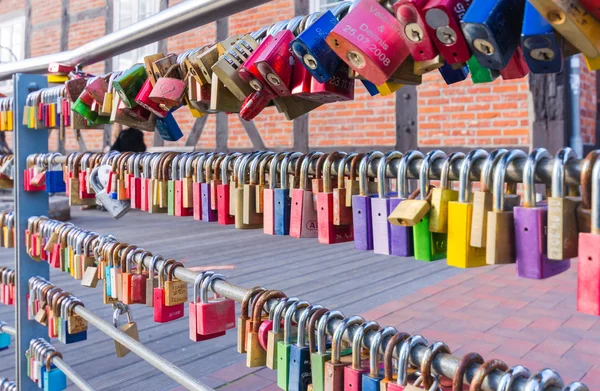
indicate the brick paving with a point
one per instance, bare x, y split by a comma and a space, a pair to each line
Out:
489, 310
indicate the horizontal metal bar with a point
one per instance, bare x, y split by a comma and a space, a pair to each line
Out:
143, 352
172, 21
60, 364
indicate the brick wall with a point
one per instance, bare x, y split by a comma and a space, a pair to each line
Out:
486, 115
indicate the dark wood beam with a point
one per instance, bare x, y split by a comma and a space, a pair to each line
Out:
196, 132
253, 134
407, 119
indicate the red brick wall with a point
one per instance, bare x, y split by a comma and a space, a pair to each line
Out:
487, 115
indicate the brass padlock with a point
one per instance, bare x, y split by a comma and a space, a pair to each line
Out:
176, 291
440, 197
584, 212
130, 328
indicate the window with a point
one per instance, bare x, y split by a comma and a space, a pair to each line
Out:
12, 45
128, 12
322, 5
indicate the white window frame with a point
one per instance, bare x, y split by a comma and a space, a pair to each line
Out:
12, 20
138, 53
321, 5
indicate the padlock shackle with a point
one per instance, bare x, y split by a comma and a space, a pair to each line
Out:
563, 156
490, 366
487, 170
464, 182
282, 306
465, 362
161, 272
302, 323
225, 165
207, 283
382, 181
512, 374
285, 165
336, 340
404, 355
327, 168
247, 297
426, 373
500, 173
357, 342
312, 328
289, 317
388, 354
274, 161
424, 170
534, 158
363, 171
258, 307
450, 159
375, 348
586, 179
341, 177
304, 169
200, 167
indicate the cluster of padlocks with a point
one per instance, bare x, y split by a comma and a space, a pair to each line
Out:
332, 197
290, 337
301, 64
6, 114
40, 368
7, 286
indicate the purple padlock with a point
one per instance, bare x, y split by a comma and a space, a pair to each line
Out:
361, 206
381, 207
401, 238
208, 215
531, 223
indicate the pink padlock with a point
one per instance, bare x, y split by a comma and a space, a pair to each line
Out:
418, 39
442, 18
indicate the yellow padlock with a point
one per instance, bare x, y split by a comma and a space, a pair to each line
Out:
460, 252
593, 64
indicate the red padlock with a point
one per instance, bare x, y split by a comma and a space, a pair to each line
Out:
442, 18
517, 67
216, 315
169, 90
339, 88
224, 215
55, 256
143, 99
369, 39
353, 373
195, 312
303, 216
162, 312
276, 63
97, 87
138, 281
418, 39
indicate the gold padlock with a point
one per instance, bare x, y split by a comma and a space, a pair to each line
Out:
130, 328
176, 291
440, 197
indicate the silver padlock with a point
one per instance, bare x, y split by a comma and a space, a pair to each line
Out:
116, 208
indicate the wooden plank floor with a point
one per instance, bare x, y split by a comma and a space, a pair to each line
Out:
336, 276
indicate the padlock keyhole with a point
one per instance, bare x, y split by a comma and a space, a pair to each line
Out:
590, 258
526, 229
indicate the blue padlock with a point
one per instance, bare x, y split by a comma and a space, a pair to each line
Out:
300, 375
168, 128
55, 182
370, 87
371, 381
452, 75
541, 48
64, 336
53, 378
4, 338
282, 200
312, 50
492, 29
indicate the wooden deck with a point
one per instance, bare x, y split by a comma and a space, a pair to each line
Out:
336, 276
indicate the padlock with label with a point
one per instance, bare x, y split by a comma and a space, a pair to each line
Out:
562, 219
531, 225
303, 216
493, 30
329, 233
500, 242
369, 40
381, 207
162, 312
460, 252
361, 206
541, 46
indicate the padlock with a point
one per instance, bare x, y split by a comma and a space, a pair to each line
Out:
303, 216
317, 181
116, 208
152, 281
479, 74
584, 210
310, 46
160, 188
276, 62
493, 30
388, 366
162, 312
54, 176
483, 199
361, 206
381, 207
199, 319
329, 233
414, 32
229, 64
251, 216
588, 290
401, 237
145, 182
74, 327
169, 88
466, 361
429, 246
182, 185
353, 373
216, 315
276, 333
370, 381
460, 212
428, 380
442, 19
143, 99
300, 365
268, 194
128, 84
245, 194
130, 328
173, 179
452, 75
168, 128
334, 369
175, 290
441, 196
139, 279
197, 185
342, 214
541, 46
531, 224
224, 213
315, 319
500, 242
257, 355
517, 66
562, 220
402, 377
284, 346
244, 318
4, 338
127, 256
573, 22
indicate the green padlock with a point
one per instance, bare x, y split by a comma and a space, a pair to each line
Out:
283, 347
319, 358
429, 246
480, 74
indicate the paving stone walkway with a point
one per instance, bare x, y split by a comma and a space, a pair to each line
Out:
487, 310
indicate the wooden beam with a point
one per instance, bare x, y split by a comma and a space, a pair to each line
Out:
108, 28
549, 100
80, 140
253, 134
407, 119
196, 132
